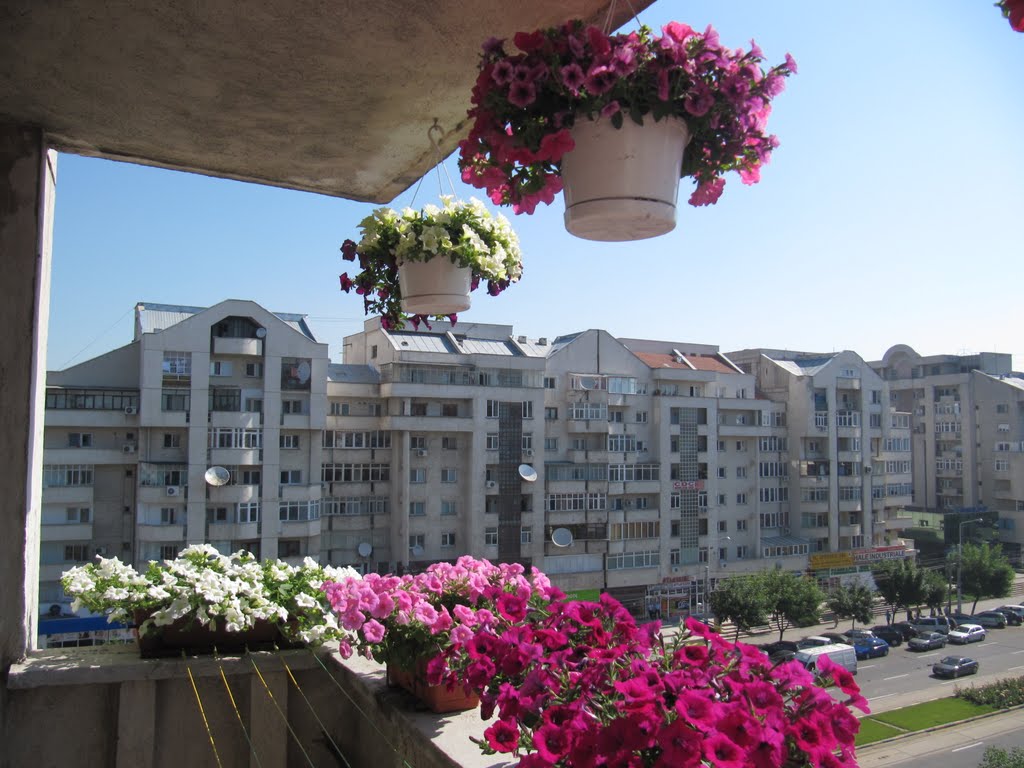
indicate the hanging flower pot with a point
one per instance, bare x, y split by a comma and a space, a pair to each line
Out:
419, 264
621, 183
533, 105
435, 287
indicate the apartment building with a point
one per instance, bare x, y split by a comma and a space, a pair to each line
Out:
968, 433
851, 455
633, 466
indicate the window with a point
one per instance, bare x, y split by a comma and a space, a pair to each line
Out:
742, 552
449, 475
418, 443
741, 472
417, 508
491, 536
290, 442
418, 475
721, 446
813, 446
492, 441
449, 508
638, 530
291, 476
1002, 465
418, 409
449, 409
172, 440
168, 551
721, 472
76, 553
741, 498
78, 514
254, 370
741, 525
220, 368
550, 414
549, 382
526, 534
289, 548
167, 515
527, 409
339, 409
550, 443
254, 405
291, 406
492, 409
249, 512
721, 499
62, 475
626, 560
250, 477
641, 417
373, 352
79, 440
723, 526
615, 417
527, 442
216, 514
448, 539
449, 443
417, 541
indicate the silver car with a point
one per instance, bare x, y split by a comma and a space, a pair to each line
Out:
927, 641
967, 633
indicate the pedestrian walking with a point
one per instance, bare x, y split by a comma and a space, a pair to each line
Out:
888, 616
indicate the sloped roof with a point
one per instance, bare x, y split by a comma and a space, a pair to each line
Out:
352, 374
803, 367
688, 363
159, 317
422, 342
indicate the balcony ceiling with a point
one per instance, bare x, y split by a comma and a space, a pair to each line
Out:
328, 96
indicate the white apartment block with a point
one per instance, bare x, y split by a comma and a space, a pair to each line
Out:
967, 415
666, 465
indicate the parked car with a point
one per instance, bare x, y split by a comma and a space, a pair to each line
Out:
905, 628
941, 624
1012, 619
841, 654
961, 618
779, 651
1017, 609
870, 647
955, 666
967, 633
812, 642
927, 641
892, 635
990, 619
836, 637
853, 634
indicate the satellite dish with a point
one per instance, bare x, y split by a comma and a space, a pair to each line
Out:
528, 473
364, 549
561, 537
261, 333
217, 476
417, 551
588, 382
304, 372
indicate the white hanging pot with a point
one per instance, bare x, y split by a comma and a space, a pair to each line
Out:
435, 287
621, 183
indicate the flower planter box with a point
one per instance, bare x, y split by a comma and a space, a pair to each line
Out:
186, 636
437, 697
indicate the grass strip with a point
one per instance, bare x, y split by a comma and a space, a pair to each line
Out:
871, 731
932, 713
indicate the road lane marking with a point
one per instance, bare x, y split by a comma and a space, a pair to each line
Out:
969, 746
883, 696
895, 677
867, 666
1014, 653
926, 655
1013, 668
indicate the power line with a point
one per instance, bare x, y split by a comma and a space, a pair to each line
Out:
97, 338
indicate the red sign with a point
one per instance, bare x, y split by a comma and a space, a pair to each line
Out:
688, 485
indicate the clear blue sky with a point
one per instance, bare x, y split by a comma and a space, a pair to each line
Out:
891, 213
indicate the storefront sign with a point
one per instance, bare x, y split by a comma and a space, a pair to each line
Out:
688, 485
827, 560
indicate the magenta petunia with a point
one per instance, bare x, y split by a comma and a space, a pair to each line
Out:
503, 736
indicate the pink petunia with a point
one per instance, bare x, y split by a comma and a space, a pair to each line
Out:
707, 192
503, 736
373, 631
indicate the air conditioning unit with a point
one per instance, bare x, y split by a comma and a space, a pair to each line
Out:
528, 452
421, 452
491, 484
171, 490
128, 448
130, 410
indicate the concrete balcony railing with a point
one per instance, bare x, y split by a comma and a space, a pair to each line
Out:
161, 533
232, 494
232, 346
65, 532
285, 708
233, 531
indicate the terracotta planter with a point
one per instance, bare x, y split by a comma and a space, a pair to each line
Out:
621, 183
437, 697
189, 637
435, 287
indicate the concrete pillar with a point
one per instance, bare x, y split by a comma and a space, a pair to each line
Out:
27, 186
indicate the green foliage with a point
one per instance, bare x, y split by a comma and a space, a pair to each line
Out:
739, 600
936, 590
929, 714
985, 572
997, 757
904, 584
852, 602
1008, 692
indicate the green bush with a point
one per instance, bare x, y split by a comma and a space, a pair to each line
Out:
997, 757
1001, 694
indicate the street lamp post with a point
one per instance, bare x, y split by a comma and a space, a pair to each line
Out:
712, 552
959, 563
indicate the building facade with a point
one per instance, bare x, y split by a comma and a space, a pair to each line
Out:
638, 467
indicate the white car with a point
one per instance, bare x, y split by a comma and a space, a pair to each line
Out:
967, 633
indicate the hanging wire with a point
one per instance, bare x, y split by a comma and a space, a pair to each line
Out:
611, 11
280, 711
439, 165
238, 714
202, 710
359, 709
323, 728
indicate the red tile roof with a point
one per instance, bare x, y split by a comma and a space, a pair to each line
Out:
697, 362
